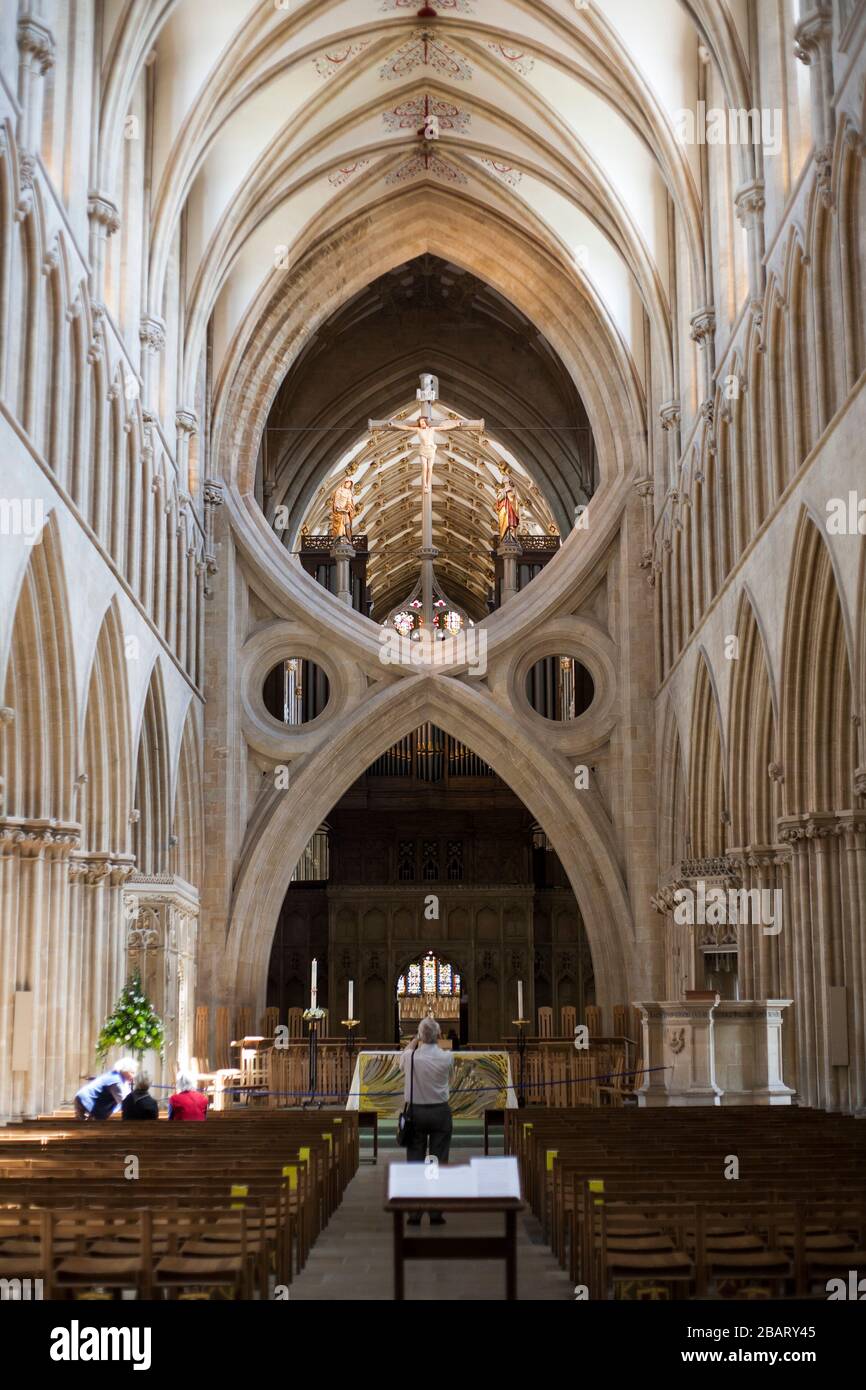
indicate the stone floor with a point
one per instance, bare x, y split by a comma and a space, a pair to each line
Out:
352, 1259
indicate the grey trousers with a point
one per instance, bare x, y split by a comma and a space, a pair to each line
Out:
432, 1124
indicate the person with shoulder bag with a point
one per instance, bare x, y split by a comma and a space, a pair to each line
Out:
425, 1122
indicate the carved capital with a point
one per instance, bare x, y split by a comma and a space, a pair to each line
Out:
104, 212
750, 202
151, 332
670, 415
26, 182
703, 325
36, 43
186, 421
213, 493
813, 31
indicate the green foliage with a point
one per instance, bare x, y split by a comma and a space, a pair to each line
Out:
134, 1025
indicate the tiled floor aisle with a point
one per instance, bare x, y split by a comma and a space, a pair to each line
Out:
352, 1259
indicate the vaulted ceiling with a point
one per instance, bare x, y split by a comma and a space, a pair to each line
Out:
276, 123
279, 128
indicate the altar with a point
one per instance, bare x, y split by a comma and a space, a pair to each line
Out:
480, 1081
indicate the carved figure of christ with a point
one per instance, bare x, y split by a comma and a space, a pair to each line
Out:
426, 430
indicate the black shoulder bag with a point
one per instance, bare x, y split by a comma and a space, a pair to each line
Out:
406, 1122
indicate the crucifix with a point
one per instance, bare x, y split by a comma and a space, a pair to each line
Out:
425, 429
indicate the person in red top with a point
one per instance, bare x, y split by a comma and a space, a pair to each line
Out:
188, 1103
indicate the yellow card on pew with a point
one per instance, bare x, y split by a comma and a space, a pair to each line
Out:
527, 1128
597, 1185
290, 1171
238, 1190
303, 1155
551, 1155
330, 1139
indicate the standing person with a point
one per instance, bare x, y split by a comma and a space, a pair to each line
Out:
99, 1098
430, 1088
188, 1103
140, 1104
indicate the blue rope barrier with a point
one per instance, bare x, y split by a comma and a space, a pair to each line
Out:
457, 1090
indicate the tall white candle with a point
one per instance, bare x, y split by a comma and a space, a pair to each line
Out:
313, 984
351, 998
520, 999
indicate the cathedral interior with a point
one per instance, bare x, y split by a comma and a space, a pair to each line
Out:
432, 510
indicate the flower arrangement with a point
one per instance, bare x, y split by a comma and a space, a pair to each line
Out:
134, 1025
313, 1014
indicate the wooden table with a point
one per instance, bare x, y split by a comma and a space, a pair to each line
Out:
413, 1247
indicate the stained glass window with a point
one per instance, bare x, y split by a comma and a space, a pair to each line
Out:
444, 978
429, 975
456, 984
414, 979
401, 985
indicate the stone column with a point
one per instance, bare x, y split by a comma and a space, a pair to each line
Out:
213, 498
97, 951
151, 333
670, 415
750, 203
703, 326
509, 552
34, 902
342, 552
104, 222
813, 45
186, 424
825, 892
36, 49
161, 945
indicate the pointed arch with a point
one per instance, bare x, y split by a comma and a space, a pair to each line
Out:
819, 736
577, 827
754, 798
673, 809
152, 782
108, 743
40, 742
187, 856
707, 799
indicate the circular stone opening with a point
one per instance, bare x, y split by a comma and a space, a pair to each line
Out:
559, 688
296, 691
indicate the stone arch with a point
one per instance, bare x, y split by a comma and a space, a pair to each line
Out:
187, 856
818, 734
575, 824
107, 743
707, 797
40, 742
152, 782
752, 737
672, 795
407, 225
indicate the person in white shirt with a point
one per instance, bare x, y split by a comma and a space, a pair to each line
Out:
430, 1089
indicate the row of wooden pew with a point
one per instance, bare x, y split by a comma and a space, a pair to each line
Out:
227, 1208
705, 1202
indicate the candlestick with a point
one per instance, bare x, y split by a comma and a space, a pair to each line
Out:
520, 999
313, 977
351, 998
